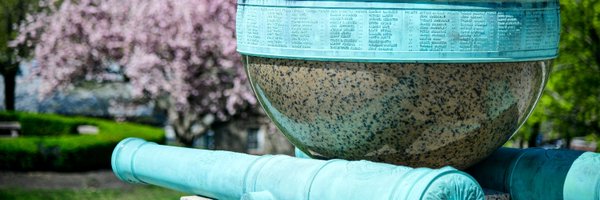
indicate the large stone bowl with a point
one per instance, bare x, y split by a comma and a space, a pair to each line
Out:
420, 115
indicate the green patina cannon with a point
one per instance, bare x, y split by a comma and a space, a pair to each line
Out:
541, 174
535, 173
525, 174
228, 175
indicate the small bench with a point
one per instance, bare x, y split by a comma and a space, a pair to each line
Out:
10, 129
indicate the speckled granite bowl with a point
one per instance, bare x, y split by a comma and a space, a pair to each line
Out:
420, 115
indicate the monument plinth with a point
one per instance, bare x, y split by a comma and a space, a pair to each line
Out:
419, 83
424, 83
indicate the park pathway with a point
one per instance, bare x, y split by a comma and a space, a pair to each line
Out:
104, 179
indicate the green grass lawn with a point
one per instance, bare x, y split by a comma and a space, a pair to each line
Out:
135, 193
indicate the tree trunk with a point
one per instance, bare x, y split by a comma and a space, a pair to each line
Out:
188, 125
521, 139
535, 132
10, 74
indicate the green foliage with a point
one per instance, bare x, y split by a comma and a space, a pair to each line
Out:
67, 152
8, 116
33, 124
138, 192
570, 106
12, 12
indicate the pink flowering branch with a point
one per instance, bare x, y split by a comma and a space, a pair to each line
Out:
183, 50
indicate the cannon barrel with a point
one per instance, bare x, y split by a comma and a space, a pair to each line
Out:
228, 175
537, 173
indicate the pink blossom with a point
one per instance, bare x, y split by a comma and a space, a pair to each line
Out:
181, 49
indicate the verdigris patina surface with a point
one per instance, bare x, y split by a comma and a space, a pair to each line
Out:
422, 83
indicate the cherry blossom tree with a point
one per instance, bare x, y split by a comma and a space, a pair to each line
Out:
179, 53
11, 12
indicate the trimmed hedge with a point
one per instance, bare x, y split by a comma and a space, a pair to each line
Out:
50, 142
33, 124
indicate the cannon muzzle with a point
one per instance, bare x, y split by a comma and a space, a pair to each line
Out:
537, 173
228, 175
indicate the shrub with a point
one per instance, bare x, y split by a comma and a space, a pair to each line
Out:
48, 125
33, 124
8, 116
66, 151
